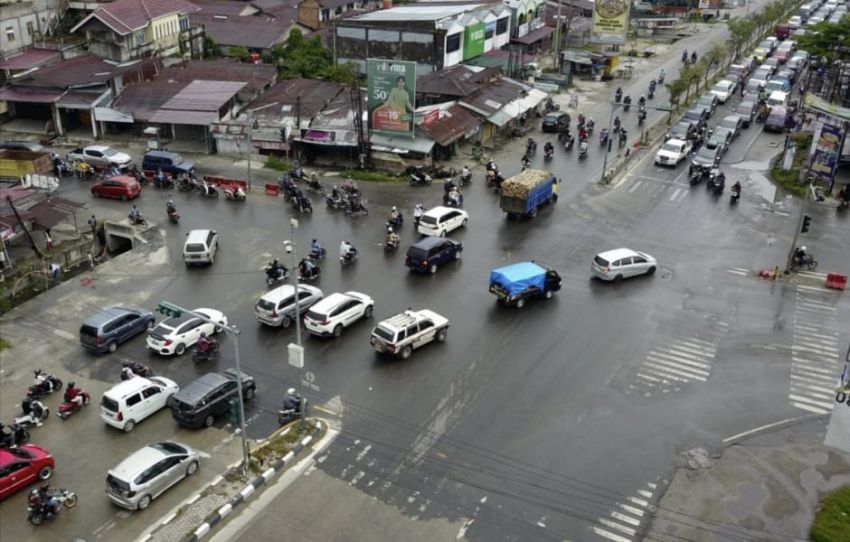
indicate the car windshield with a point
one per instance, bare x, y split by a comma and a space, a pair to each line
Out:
265, 304
706, 152
729, 124
175, 160
706, 100
109, 152
384, 333
672, 147
602, 262
195, 247
746, 106
317, 316
109, 404
721, 88
427, 219
695, 115
161, 330
169, 448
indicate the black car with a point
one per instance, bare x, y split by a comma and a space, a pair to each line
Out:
683, 130
104, 331
709, 102
169, 162
707, 157
429, 253
555, 121
747, 111
696, 115
199, 403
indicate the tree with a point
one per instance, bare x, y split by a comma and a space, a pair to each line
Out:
676, 88
302, 58
825, 38
740, 33
240, 52
344, 74
211, 48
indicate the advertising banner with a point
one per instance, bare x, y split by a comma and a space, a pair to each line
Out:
822, 106
826, 152
473, 40
392, 95
610, 21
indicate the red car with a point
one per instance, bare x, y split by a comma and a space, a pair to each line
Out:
21, 466
119, 187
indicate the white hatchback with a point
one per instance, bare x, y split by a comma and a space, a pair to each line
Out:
174, 335
131, 401
440, 220
616, 265
723, 90
327, 317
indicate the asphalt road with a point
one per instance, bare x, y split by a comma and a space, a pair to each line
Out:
560, 420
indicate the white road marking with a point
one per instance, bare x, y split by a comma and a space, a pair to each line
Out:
64, 334
635, 186
675, 193
763, 428
610, 536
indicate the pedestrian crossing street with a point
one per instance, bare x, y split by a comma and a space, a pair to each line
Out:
815, 354
624, 522
669, 366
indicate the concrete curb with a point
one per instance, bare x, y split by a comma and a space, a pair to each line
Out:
240, 497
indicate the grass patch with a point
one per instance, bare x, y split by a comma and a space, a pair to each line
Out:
273, 162
278, 446
4, 344
790, 179
370, 176
832, 521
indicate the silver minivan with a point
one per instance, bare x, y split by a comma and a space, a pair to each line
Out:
200, 247
149, 472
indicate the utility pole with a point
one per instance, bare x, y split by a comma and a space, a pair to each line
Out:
172, 310
557, 48
614, 106
296, 351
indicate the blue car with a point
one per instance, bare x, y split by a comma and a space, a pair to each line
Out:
429, 253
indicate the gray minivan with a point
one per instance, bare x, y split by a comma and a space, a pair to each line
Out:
104, 331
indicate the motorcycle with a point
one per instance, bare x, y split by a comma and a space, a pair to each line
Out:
623, 138
734, 196
29, 419
453, 199
465, 180
717, 184
64, 497
396, 223
200, 356
641, 116
390, 245
494, 181
174, 216
69, 407
280, 275
582, 152
618, 96
314, 274
317, 254
550, 106
186, 184
808, 262
315, 187
568, 144
356, 206
549, 153
694, 176
134, 369
589, 127
530, 147
302, 204
418, 177
137, 220
603, 137
335, 202
627, 103
163, 181
297, 173
208, 190
350, 258
13, 435
292, 414
45, 384
233, 192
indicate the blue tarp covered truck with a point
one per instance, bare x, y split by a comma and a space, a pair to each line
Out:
522, 194
515, 284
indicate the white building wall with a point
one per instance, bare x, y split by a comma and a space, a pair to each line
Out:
22, 22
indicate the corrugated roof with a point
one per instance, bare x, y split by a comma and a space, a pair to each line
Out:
250, 31
144, 99
456, 123
458, 80
79, 97
30, 58
314, 96
14, 94
494, 96
127, 16
194, 118
225, 7
256, 76
202, 95
82, 71
534, 36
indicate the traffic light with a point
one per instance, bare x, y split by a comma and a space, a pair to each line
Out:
807, 220
169, 310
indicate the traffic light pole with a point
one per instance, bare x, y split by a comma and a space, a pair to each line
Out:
797, 231
614, 106
292, 249
170, 309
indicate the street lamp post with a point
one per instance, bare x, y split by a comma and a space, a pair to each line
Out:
250, 134
297, 353
170, 309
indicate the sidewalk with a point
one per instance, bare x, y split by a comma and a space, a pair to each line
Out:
764, 488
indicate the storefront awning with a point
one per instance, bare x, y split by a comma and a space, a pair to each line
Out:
16, 94
401, 145
516, 108
195, 118
534, 36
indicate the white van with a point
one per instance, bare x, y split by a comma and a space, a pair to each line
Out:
134, 400
777, 97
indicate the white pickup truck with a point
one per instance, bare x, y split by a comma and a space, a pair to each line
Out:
399, 335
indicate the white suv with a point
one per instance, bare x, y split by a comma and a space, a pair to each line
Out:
200, 247
400, 334
330, 315
441, 220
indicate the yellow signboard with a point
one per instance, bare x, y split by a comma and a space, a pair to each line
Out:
610, 21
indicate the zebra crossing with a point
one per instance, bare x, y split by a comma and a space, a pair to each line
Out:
672, 364
671, 191
623, 523
815, 354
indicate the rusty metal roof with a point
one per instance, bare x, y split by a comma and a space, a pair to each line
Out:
458, 80
127, 16
494, 96
249, 31
314, 96
455, 123
256, 76
200, 95
31, 58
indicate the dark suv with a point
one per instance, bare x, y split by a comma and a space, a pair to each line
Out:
199, 403
706, 158
432, 252
104, 331
555, 121
696, 115
170, 162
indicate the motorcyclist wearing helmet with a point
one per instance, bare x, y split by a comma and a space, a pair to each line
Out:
34, 409
292, 402
204, 344
316, 247
170, 207
392, 237
347, 250
642, 100
276, 269
800, 254
73, 394
394, 214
